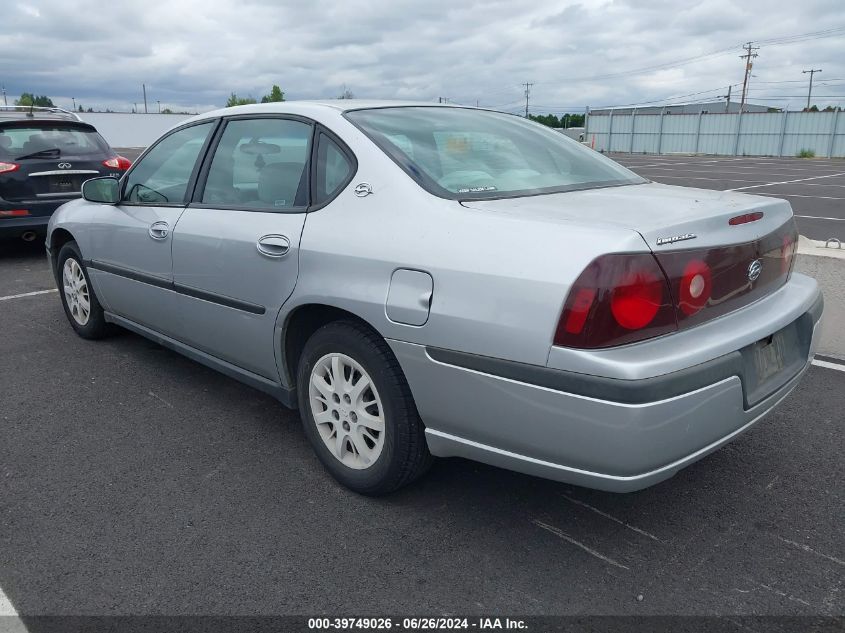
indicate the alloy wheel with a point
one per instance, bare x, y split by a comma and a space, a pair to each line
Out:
76, 291
347, 410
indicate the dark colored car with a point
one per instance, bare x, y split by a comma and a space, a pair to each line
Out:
45, 156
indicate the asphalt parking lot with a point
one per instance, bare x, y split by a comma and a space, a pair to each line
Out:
814, 187
135, 481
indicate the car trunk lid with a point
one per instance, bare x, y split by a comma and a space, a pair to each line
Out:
660, 213
718, 252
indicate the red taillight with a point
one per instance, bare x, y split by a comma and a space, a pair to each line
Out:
581, 305
618, 299
746, 218
635, 301
787, 253
14, 213
7, 167
695, 288
621, 299
118, 162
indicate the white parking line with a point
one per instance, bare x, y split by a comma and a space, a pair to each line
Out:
786, 182
816, 217
790, 195
6, 608
827, 365
704, 178
28, 294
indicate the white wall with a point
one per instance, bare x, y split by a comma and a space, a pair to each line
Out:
827, 265
121, 129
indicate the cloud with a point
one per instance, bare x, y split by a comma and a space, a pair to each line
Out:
193, 53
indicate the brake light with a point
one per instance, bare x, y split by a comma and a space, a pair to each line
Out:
14, 213
618, 299
636, 300
746, 218
118, 162
7, 167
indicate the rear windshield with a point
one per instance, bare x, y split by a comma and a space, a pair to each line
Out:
17, 141
460, 153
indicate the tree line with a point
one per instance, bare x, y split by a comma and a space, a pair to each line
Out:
565, 120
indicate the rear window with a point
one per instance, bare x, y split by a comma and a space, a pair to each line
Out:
20, 141
460, 153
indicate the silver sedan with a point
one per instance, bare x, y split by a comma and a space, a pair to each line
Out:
425, 280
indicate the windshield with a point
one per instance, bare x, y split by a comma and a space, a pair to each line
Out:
460, 153
56, 139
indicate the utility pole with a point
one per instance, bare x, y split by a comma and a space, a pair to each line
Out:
159, 106
527, 94
144, 88
4, 95
750, 53
728, 99
812, 72
74, 103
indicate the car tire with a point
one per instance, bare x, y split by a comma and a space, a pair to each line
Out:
79, 300
344, 431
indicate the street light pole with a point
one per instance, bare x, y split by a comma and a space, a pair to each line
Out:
159, 106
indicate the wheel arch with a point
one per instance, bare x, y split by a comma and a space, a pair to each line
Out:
298, 327
58, 238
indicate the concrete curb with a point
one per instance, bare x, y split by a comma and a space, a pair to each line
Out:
827, 266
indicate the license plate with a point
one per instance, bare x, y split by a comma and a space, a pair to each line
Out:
769, 356
59, 184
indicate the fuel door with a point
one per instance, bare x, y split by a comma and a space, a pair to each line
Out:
409, 297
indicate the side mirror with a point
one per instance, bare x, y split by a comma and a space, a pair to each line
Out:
105, 190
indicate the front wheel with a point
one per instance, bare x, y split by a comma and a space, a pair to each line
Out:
357, 410
81, 306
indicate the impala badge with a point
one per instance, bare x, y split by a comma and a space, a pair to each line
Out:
363, 189
675, 238
754, 270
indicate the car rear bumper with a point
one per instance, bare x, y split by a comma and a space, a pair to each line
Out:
37, 220
611, 434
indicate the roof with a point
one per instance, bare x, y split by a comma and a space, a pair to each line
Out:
27, 113
305, 107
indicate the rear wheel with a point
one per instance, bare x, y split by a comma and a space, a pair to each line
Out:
357, 410
81, 306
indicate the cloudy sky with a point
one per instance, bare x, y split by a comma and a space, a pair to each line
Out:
193, 53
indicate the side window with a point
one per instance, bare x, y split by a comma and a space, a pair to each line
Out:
260, 163
333, 170
162, 176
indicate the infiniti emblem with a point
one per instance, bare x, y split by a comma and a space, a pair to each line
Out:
64, 165
754, 270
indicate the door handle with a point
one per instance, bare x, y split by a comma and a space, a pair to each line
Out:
159, 230
273, 245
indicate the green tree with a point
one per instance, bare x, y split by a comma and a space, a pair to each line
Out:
167, 111
275, 95
29, 99
235, 100
565, 120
